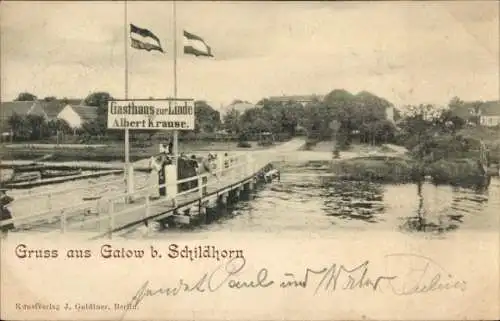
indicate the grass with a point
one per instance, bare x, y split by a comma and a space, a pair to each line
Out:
489, 135
463, 172
328, 146
486, 134
378, 168
457, 172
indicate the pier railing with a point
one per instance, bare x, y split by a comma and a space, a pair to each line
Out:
47, 196
108, 208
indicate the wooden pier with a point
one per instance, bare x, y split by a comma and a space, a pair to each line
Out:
107, 215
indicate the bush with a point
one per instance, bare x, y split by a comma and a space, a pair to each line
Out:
379, 168
462, 172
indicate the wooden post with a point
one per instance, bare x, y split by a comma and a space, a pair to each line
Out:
176, 133
200, 186
130, 184
171, 182
127, 143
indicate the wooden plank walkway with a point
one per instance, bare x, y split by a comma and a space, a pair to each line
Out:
130, 213
81, 218
100, 216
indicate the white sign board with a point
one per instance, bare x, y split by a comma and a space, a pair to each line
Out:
154, 114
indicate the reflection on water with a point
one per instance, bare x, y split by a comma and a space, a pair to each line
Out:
315, 204
420, 221
441, 209
353, 200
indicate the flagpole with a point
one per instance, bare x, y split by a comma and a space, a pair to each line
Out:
127, 142
176, 133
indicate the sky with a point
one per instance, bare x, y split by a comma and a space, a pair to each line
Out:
406, 52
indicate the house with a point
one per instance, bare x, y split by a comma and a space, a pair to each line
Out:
53, 107
467, 112
77, 115
302, 99
21, 108
482, 113
489, 113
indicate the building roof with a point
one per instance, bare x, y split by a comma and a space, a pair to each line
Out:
490, 108
86, 113
464, 111
52, 108
72, 101
9, 108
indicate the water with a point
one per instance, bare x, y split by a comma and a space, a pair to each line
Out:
309, 202
314, 203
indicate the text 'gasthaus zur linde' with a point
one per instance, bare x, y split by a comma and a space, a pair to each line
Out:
108, 251
151, 115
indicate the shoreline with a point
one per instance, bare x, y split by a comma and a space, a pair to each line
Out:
115, 153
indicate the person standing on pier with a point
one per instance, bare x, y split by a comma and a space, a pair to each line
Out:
195, 164
170, 149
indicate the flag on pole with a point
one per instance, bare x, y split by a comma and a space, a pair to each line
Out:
195, 45
144, 39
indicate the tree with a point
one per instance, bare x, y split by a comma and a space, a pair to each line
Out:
282, 117
237, 101
26, 96
39, 127
449, 122
98, 127
98, 99
50, 98
254, 121
420, 124
19, 126
59, 127
383, 131
455, 103
231, 121
207, 119
316, 119
342, 106
370, 107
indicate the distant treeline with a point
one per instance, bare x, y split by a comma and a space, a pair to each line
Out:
340, 116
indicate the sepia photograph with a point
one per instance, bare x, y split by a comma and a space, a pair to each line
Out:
199, 160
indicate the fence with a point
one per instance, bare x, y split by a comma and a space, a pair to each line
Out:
47, 201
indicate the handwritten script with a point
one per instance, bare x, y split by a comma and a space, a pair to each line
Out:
422, 275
